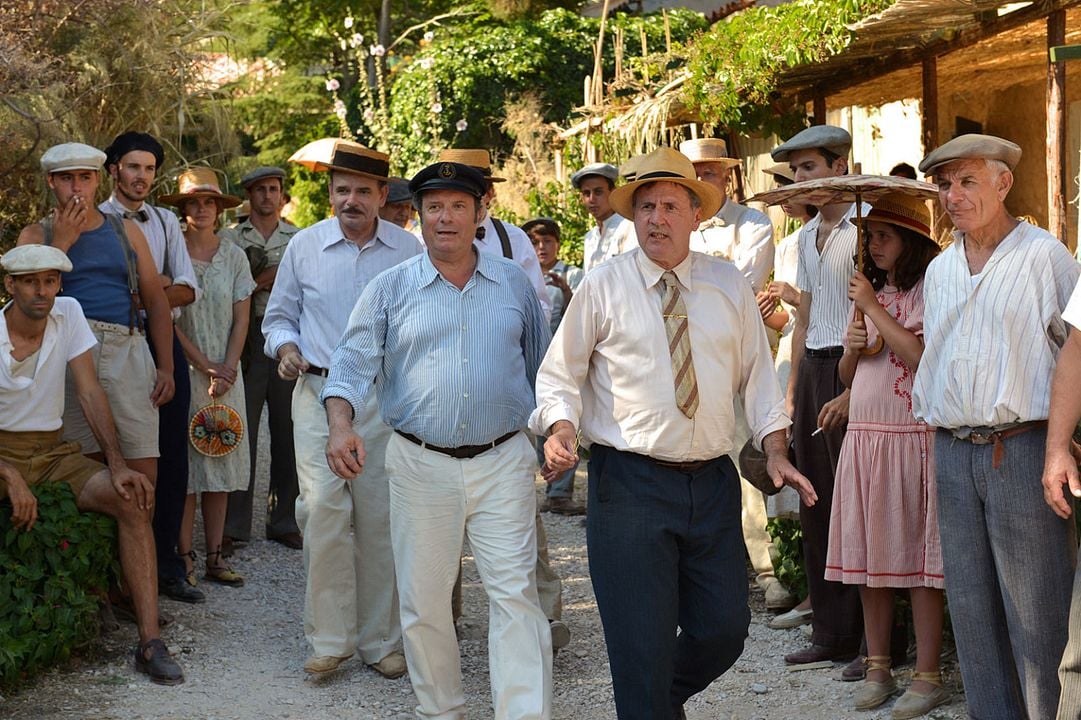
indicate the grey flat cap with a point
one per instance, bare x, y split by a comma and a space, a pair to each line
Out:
972, 146
72, 156
828, 137
262, 173
27, 259
605, 170
398, 191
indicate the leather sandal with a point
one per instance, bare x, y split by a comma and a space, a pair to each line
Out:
153, 658
872, 693
189, 577
222, 574
913, 704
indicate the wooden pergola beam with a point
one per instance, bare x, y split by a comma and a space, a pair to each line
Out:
929, 113
1056, 128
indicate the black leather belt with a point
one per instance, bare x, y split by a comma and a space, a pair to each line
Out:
682, 466
321, 372
464, 452
828, 352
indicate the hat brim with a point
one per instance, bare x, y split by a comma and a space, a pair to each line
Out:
622, 198
447, 184
726, 161
226, 201
68, 168
901, 222
781, 154
328, 167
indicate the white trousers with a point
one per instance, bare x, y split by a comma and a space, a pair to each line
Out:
350, 598
435, 501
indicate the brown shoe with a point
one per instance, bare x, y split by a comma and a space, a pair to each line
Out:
292, 540
392, 666
565, 506
319, 664
817, 653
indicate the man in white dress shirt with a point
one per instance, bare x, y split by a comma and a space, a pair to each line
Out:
132, 160
351, 602
613, 234
646, 365
993, 327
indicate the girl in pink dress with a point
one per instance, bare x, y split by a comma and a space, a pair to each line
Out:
884, 529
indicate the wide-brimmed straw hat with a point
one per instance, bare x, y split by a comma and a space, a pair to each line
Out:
666, 165
476, 158
352, 157
780, 170
708, 150
903, 211
199, 182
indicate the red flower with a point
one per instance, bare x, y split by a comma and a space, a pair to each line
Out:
64, 544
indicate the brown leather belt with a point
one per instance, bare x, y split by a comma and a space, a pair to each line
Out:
464, 452
990, 436
681, 466
314, 370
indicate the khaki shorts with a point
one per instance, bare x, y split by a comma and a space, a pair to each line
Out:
42, 457
126, 372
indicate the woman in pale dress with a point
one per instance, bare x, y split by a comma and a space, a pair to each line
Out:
212, 331
884, 525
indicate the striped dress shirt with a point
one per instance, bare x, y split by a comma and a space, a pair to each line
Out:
992, 338
456, 367
320, 277
825, 275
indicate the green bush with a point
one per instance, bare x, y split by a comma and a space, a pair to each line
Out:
788, 562
52, 580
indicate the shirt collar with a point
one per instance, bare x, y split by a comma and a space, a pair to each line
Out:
485, 267
121, 207
382, 234
651, 271
613, 220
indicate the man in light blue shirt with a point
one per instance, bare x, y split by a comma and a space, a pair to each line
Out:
350, 604
454, 338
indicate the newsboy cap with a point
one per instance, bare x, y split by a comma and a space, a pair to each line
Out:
398, 191
973, 146
71, 156
27, 259
547, 226
449, 176
124, 143
605, 170
828, 137
262, 173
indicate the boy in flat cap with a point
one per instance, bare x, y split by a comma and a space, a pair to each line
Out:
133, 160
42, 336
995, 321
454, 338
350, 602
816, 396
112, 272
613, 233
264, 237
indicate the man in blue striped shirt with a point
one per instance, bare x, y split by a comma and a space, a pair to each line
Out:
454, 337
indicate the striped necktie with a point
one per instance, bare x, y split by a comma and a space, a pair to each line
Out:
679, 345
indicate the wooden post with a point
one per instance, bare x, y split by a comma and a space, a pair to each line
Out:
930, 104
819, 109
1056, 129
598, 60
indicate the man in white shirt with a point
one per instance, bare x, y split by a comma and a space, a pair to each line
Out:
993, 327
816, 396
645, 367
132, 160
41, 336
613, 234
350, 603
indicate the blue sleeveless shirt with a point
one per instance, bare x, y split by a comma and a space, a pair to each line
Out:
99, 276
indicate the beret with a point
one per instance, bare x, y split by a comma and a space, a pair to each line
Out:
972, 146
27, 259
605, 170
262, 173
449, 176
547, 225
72, 156
124, 143
828, 137
708, 150
398, 191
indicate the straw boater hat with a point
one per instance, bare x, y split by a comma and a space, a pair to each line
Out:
352, 157
629, 169
708, 150
199, 182
473, 157
780, 170
666, 165
903, 211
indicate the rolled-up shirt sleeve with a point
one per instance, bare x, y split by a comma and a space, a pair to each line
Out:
281, 323
358, 358
759, 388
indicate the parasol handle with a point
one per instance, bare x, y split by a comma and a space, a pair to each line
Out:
876, 348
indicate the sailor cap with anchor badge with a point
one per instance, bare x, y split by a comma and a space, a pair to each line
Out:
448, 176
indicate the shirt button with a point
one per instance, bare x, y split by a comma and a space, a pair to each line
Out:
463, 327
465, 395
463, 426
465, 360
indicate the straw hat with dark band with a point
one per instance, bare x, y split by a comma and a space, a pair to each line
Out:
352, 157
903, 211
476, 158
199, 182
666, 165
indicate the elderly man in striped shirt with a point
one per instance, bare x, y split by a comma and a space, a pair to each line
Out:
993, 328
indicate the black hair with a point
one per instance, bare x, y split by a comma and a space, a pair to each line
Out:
904, 170
917, 254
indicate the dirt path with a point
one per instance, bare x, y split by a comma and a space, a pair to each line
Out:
243, 650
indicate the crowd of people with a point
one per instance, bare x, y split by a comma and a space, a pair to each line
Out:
917, 416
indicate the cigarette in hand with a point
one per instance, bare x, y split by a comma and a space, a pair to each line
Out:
816, 432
